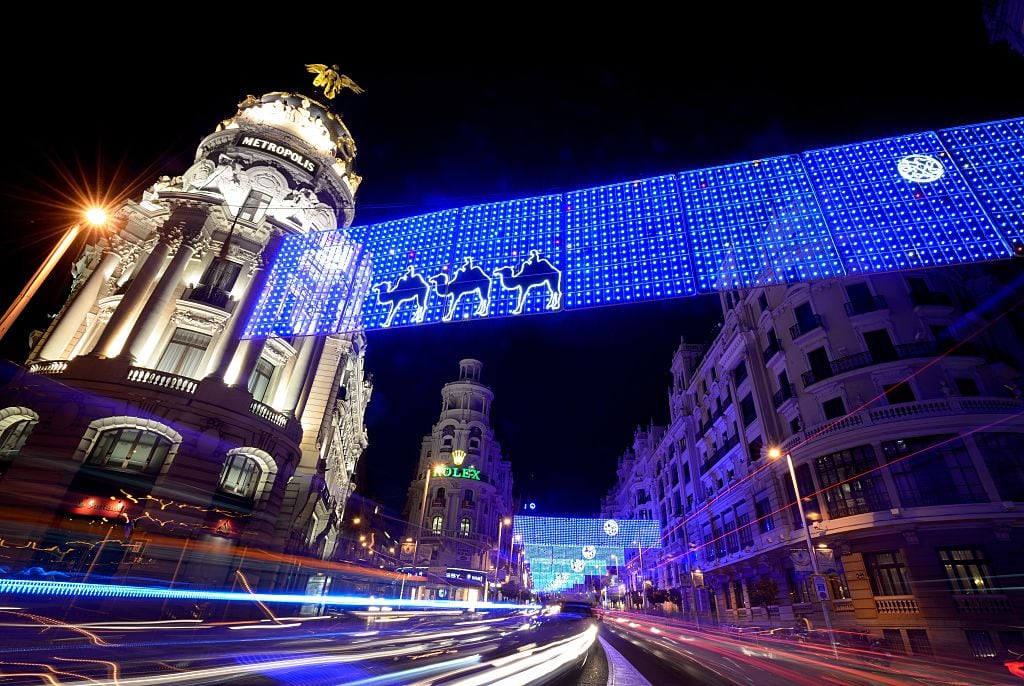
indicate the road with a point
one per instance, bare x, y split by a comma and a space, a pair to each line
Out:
437, 647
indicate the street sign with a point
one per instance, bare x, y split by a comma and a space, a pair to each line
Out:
821, 587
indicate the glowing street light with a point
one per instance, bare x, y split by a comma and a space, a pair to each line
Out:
94, 217
775, 453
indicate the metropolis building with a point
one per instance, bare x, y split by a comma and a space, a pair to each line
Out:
144, 417
897, 398
455, 515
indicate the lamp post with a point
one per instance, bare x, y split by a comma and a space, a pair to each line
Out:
775, 453
502, 523
640, 554
93, 217
423, 509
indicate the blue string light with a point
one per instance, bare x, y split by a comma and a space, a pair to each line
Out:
930, 199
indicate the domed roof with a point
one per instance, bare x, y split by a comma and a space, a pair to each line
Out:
303, 116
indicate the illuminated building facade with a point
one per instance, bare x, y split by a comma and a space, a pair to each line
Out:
468, 496
143, 414
913, 491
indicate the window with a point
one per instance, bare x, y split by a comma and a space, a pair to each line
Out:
887, 573
898, 393
732, 539
747, 409
746, 532
894, 641
221, 274
763, 510
762, 302
130, 449
241, 475
821, 366
1004, 456
861, 299
967, 570
981, 643
967, 387
474, 443
794, 425
785, 388
437, 524
940, 475
467, 497
464, 526
686, 472
14, 435
740, 372
440, 496
845, 492
255, 203
754, 449
834, 408
805, 318
447, 440
259, 381
803, 478
183, 353
879, 344
709, 547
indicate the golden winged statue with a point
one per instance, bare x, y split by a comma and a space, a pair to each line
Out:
330, 80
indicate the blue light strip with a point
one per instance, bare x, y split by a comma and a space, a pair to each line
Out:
950, 197
56, 589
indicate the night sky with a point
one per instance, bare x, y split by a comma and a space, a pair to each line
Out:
522, 115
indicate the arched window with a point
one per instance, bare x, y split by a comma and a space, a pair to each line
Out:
130, 449
439, 499
14, 431
447, 440
464, 526
437, 524
240, 475
467, 497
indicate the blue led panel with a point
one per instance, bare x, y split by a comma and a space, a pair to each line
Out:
755, 224
500, 238
989, 157
316, 286
626, 242
403, 256
563, 551
898, 203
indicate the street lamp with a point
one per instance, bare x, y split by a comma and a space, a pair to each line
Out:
94, 216
502, 523
774, 454
436, 469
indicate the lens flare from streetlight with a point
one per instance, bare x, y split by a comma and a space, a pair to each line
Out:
774, 453
96, 216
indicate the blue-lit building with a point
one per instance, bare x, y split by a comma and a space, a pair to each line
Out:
899, 398
144, 425
457, 505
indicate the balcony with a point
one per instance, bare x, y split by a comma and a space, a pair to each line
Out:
930, 299
165, 380
865, 305
211, 295
982, 604
904, 351
268, 413
52, 367
896, 605
809, 324
783, 394
842, 605
771, 351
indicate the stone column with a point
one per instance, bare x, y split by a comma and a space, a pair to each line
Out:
111, 341
152, 314
232, 338
72, 317
297, 379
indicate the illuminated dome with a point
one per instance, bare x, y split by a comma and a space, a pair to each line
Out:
302, 116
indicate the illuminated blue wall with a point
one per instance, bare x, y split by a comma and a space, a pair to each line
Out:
563, 551
937, 198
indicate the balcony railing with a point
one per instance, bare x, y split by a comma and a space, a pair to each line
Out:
946, 407
904, 351
809, 324
51, 367
152, 377
865, 305
772, 350
926, 298
982, 604
211, 295
267, 412
896, 605
783, 394
842, 605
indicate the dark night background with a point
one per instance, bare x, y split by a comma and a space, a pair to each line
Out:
444, 123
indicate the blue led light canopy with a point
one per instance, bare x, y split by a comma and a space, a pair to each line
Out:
949, 197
